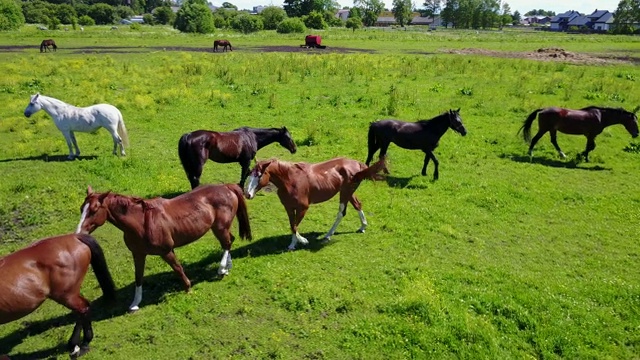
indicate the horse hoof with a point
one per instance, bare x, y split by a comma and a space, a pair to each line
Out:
360, 231
133, 309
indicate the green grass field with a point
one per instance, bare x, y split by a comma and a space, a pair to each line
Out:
504, 257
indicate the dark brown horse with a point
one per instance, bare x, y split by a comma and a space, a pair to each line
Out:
589, 121
302, 184
223, 43
45, 45
54, 268
157, 226
420, 135
239, 145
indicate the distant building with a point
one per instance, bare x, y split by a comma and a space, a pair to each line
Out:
343, 14
258, 9
599, 20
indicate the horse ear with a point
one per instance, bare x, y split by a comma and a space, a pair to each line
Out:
635, 110
284, 128
458, 110
89, 190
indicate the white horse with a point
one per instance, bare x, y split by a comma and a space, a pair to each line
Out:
69, 118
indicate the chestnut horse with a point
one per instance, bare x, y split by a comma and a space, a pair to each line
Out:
302, 184
54, 268
420, 135
223, 43
157, 226
239, 145
44, 45
589, 121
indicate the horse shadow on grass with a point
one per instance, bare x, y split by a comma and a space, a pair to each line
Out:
404, 182
573, 163
156, 288
49, 158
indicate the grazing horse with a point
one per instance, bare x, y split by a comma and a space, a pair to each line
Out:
589, 121
239, 145
420, 135
54, 268
302, 184
157, 226
223, 43
69, 118
44, 45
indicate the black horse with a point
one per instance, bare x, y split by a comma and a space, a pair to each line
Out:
239, 145
420, 135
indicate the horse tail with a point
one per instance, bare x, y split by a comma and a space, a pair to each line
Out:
371, 136
122, 130
241, 214
99, 266
188, 150
526, 127
371, 172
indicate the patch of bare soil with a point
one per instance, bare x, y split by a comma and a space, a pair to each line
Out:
545, 54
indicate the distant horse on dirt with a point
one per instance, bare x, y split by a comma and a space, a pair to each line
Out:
157, 226
69, 118
588, 121
420, 135
239, 145
47, 44
54, 268
302, 184
223, 43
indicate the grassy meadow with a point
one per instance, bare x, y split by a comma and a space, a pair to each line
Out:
504, 257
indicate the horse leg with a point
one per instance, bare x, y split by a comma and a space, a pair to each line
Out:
373, 147
553, 134
171, 259
138, 261
535, 140
201, 158
358, 206
75, 143
382, 154
79, 305
67, 137
591, 144
295, 217
244, 172
342, 209
226, 239
426, 162
117, 140
436, 165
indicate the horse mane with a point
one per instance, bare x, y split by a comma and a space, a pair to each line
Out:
428, 121
601, 108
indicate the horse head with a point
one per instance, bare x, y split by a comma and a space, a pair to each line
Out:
286, 141
455, 122
34, 105
93, 212
258, 178
630, 122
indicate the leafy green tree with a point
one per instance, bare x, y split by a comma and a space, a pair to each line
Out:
402, 11
148, 19
627, 13
355, 12
37, 12
354, 23
194, 16
124, 12
246, 23
431, 8
370, 10
163, 15
506, 17
298, 8
103, 14
11, 17
65, 13
86, 20
271, 16
81, 9
228, 5
516, 17
315, 20
291, 25
331, 19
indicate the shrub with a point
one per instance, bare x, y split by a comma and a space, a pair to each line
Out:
291, 25
103, 14
272, 16
124, 12
220, 22
36, 12
315, 20
163, 15
247, 23
135, 27
354, 23
86, 20
65, 13
194, 17
11, 17
148, 19
332, 20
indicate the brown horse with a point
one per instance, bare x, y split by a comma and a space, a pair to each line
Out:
239, 145
589, 121
44, 45
54, 268
223, 43
157, 226
420, 135
302, 184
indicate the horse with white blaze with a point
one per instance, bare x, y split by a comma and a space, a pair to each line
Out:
69, 118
